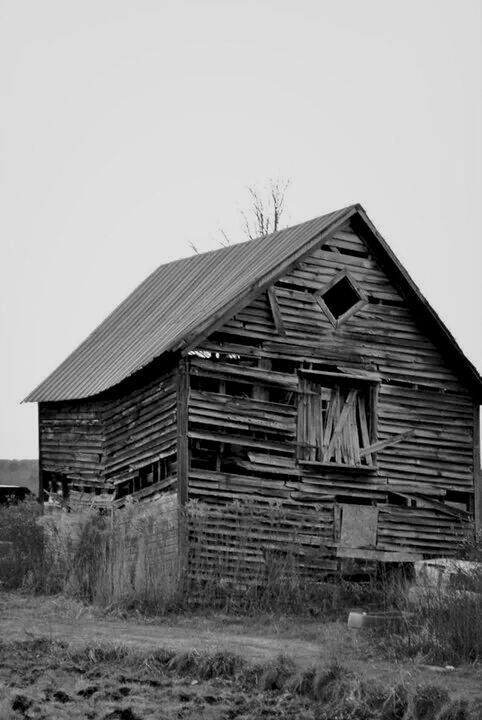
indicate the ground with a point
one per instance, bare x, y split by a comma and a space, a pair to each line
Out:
47, 679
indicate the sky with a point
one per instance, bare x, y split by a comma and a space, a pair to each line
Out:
129, 130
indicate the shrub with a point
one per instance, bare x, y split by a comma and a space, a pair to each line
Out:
471, 547
101, 559
442, 624
427, 702
24, 565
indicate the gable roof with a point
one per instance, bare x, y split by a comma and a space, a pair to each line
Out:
183, 300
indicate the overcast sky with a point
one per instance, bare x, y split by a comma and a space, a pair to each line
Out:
130, 129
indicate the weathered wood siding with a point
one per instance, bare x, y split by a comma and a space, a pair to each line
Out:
72, 439
243, 440
123, 443
140, 432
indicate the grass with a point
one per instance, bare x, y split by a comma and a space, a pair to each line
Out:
59, 680
113, 561
118, 563
443, 624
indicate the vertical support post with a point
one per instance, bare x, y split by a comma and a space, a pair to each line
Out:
40, 496
182, 405
182, 431
276, 312
477, 471
373, 413
260, 392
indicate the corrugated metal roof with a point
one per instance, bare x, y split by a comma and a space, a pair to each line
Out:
178, 300
182, 300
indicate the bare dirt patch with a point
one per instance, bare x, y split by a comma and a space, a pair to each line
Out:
41, 679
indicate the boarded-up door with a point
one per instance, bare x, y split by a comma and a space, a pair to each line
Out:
358, 526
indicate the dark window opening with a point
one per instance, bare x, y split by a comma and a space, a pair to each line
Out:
284, 366
281, 396
218, 456
206, 384
351, 500
341, 297
204, 454
395, 498
459, 500
57, 484
147, 475
231, 458
238, 389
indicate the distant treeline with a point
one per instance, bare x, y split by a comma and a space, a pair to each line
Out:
20, 472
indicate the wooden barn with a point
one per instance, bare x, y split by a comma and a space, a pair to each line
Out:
304, 367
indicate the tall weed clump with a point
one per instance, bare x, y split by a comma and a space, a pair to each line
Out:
440, 623
23, 564
127, 559
138, 564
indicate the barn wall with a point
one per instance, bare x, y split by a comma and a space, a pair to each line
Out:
243, 408
140, 444
99, 451
72, 439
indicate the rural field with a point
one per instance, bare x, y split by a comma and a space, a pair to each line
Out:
90, 628
63, 659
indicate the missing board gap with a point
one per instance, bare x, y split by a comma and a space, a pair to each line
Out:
346, 251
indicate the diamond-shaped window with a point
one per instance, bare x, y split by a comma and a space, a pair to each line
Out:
341, 298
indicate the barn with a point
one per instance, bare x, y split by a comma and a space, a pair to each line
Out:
303, 368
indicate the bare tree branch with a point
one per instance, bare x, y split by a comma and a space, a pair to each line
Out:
225, 242
264, 215
191, 245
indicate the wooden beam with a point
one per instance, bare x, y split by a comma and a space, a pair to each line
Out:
382, 444
477, 471
339, 466
435, 504
276, 312
362, 418
183, 464
182, 432
260, 392
381, 555
239, 372
40, 496
349, 402
342, 377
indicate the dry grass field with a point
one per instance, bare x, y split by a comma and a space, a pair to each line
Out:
86, 632
62, 659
